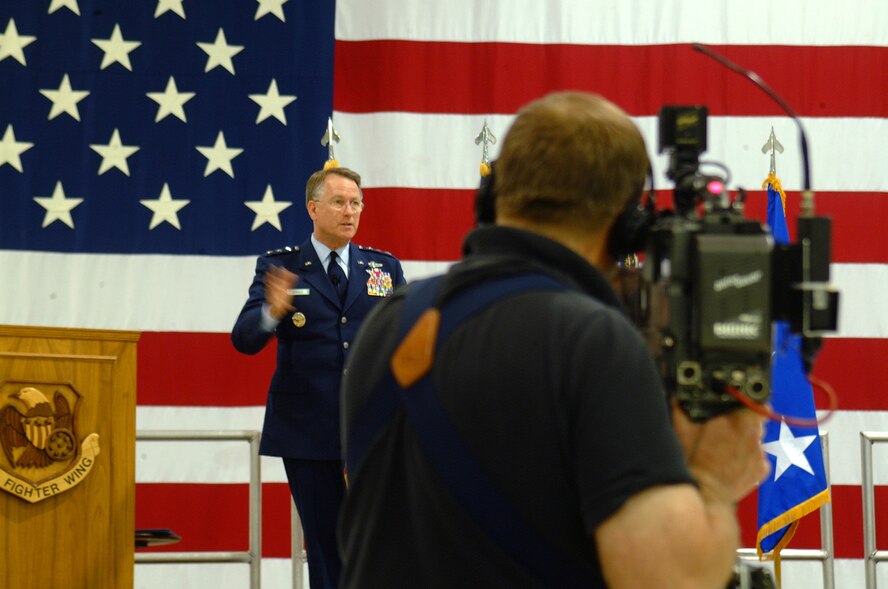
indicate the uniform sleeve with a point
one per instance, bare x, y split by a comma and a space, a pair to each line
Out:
399, 274
248, 334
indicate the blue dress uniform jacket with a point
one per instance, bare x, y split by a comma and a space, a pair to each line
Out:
302, 411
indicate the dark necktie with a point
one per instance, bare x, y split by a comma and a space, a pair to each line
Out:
337, 276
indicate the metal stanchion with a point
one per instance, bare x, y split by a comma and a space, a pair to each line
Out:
254, 555
872, 556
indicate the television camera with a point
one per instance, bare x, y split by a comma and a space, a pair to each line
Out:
713, 282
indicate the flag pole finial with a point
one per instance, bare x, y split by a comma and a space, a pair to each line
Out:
772, 181
329, 138
485, 138
774, 147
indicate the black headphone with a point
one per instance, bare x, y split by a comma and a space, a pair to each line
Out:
630, 230
628, 234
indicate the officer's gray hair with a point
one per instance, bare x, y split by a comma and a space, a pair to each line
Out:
314, 188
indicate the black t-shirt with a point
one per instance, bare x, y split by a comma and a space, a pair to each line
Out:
556, 395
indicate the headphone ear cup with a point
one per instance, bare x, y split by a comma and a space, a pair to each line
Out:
629, 231
485, 210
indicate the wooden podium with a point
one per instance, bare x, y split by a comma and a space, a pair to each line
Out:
67, 457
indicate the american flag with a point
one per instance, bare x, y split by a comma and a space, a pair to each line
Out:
150, 149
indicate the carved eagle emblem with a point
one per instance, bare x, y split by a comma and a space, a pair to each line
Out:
45, 430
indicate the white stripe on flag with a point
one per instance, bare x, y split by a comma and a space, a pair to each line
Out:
150, 293
438, 150
618, 22
226, 462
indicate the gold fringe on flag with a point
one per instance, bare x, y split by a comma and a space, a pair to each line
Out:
774, 182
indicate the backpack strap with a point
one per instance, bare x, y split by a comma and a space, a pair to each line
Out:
414, 391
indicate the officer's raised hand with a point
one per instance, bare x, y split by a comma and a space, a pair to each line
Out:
278, 283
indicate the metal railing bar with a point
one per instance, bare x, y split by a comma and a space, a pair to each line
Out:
192, 557
806, 554
253, 556
871, 555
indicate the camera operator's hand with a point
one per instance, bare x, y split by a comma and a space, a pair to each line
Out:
724, 453
680, 536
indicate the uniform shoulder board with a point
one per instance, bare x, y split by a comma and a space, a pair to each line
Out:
290, 249
367, 248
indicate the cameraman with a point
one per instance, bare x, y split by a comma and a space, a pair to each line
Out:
553, 393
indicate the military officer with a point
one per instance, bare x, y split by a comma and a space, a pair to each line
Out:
313, 297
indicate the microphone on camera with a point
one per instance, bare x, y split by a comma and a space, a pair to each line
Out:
818, 299
757, 80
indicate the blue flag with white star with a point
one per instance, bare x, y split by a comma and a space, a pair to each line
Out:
161, 127
797, 484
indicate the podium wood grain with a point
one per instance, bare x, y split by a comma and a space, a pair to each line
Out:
82, 537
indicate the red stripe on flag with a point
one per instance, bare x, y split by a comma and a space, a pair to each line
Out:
450, 77
851, 366
430, 224
847, 518
200, 369
855, 369
215, 517
417, 224
858, 217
